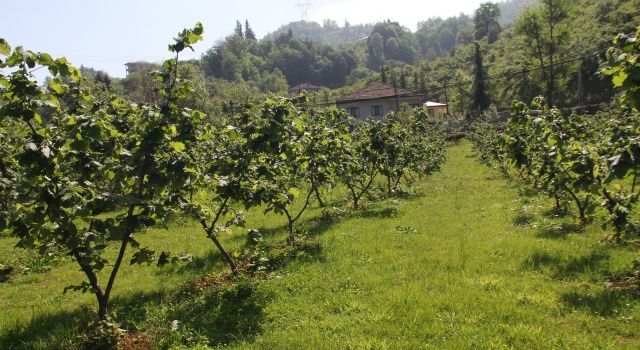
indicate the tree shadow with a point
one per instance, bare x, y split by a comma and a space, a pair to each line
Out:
49, 330
556, 212
217, 315
561, 231
567, 267
523, 219
387, 212
262, 258
604, 303
528, 192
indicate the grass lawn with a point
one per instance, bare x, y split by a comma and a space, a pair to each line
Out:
464, 260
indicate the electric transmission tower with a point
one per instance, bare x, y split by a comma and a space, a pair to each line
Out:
303, 8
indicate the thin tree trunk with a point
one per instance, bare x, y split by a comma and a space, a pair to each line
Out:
317, 193
210, 231
123, 247
579, 204
103, 303
353, 196
291, 220
225, 254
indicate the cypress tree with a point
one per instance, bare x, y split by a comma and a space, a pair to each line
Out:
480, 100
248, 32
238, 30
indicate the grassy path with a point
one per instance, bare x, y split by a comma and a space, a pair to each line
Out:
464, 261
451, 270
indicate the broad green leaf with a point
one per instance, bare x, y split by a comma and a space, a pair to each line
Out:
5, 48
56, 86
620, 78
177, 146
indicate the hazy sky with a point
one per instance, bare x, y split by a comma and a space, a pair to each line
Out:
106, 34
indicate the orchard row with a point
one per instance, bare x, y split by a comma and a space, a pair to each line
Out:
80, 171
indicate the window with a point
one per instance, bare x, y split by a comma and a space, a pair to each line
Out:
354, 111
376, 110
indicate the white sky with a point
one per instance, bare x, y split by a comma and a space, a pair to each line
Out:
106, 34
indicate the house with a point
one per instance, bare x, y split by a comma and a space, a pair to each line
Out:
377, 100
435, 109
138, 66
304, 87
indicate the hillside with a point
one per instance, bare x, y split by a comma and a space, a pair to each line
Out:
329, 33
511, 9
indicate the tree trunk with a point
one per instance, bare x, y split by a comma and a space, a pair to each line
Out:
103, 303
317, 193
355, 197
103, 308
225, 254
579, 204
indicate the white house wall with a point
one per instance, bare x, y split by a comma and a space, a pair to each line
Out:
388, 104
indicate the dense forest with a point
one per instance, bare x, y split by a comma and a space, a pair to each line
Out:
514, 50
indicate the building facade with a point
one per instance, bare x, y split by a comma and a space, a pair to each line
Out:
377, 100
138, 66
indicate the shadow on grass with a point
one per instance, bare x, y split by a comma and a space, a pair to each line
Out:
603, 303
567, 267
214, 316
390, 211
528, 192
560, 231
47, 331
556, 212
523, 219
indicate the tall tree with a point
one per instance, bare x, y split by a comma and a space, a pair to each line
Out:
554, 12
238, 31
248, 32
480, 100
383, 74
544, 37
486, 22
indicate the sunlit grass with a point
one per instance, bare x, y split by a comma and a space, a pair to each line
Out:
461, 261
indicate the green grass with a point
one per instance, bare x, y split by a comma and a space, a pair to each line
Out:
465, 260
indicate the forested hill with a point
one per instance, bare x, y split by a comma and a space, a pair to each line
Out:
329, 33
517, 57
509, 10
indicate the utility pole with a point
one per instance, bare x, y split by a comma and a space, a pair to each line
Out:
446, 97
395, 90
303, 8
580, 91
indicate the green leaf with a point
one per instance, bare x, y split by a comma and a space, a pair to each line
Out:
619, 79
5, 49
177, 146
57, 87
143, 256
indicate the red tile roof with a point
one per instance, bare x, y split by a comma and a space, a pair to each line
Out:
377, 91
